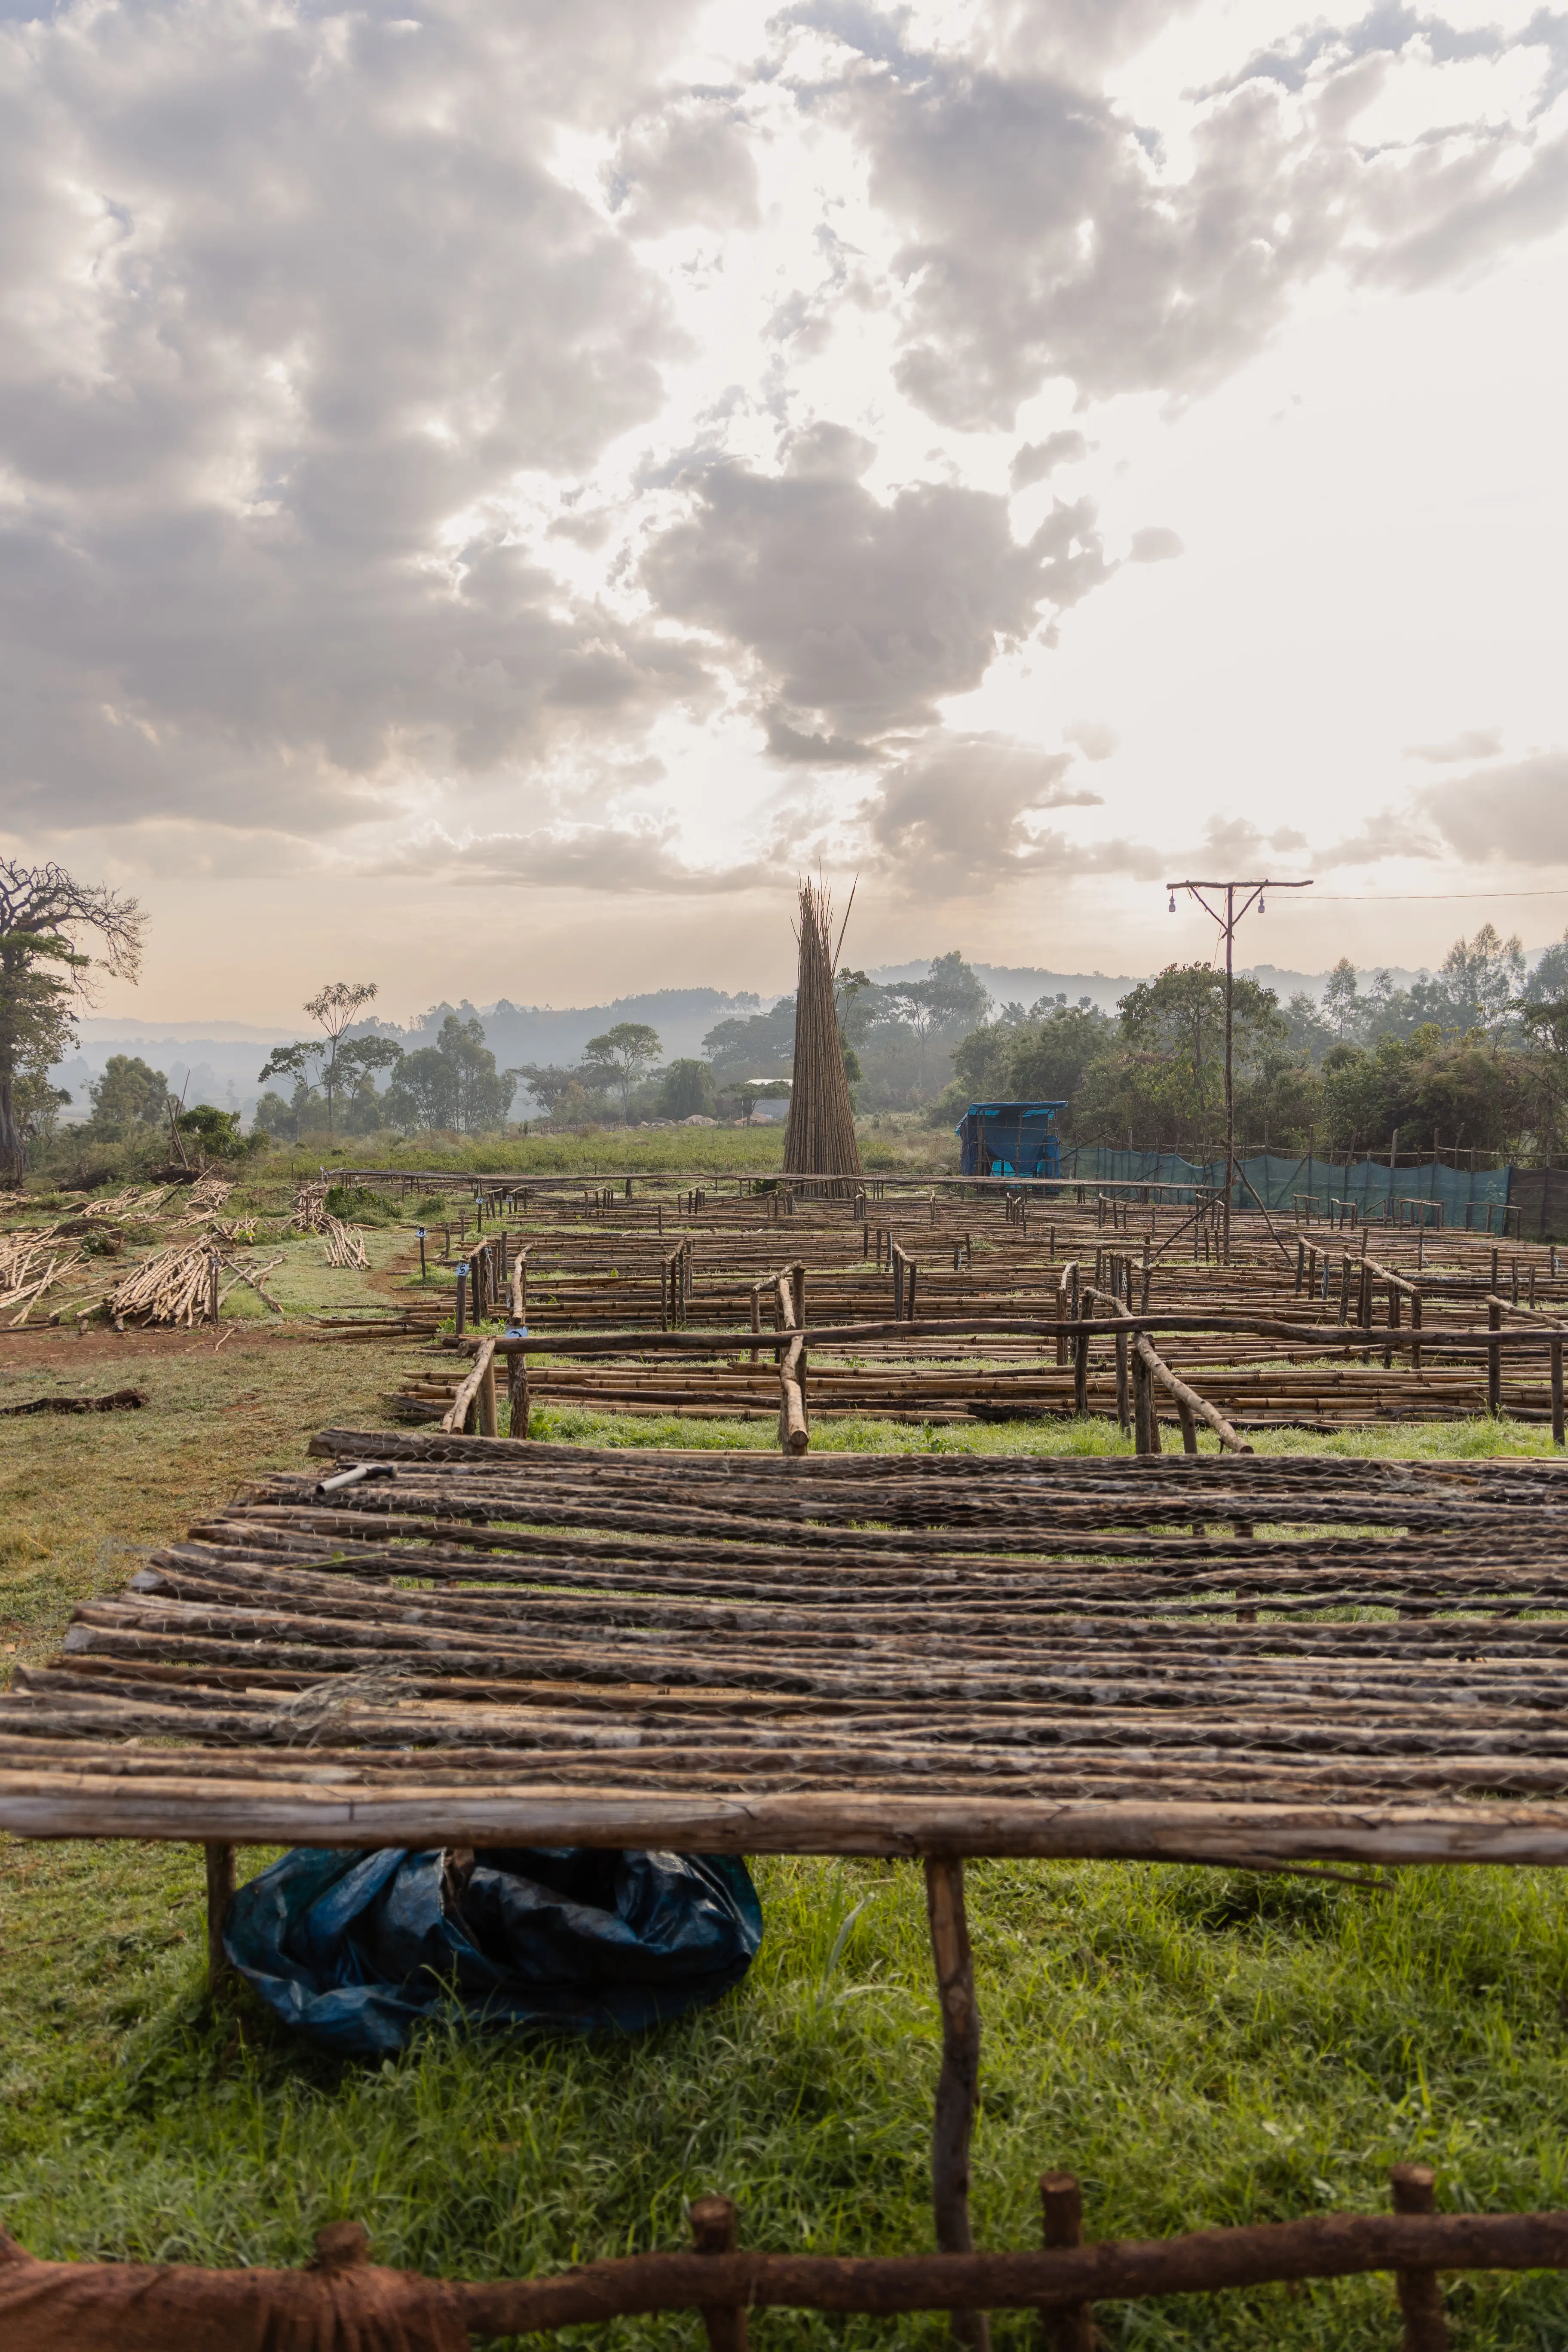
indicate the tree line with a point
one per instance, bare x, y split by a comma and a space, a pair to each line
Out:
1471, 1058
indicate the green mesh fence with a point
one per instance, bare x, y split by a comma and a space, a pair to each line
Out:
1473, 1200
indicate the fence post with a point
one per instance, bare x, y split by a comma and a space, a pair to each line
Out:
713, 2233
1420, 2296
1122, 1413
1070, 2329
958, 2085
220, 1894
1557, 1393
462, 1297
1494, 1360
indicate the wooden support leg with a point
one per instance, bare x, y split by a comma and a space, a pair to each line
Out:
1121, 1411
1061, 2201
1557, 1393
1080, 1374
713, 2233
1494, 1362
488, 1425
518, 1397
220, 1894
958, 2085
1189, 1427
1420, 2296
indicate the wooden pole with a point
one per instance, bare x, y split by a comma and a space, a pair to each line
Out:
1070, 2329
1494, 1360
1122, 1411
713, 2233
1557, 1393
220, 1894
958, 2084
1420, 2296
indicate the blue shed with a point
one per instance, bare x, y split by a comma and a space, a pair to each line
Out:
1010, 1138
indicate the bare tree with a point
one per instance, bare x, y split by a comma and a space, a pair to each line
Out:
55, 933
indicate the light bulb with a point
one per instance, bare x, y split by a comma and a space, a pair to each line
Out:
1261, 908
1171, 908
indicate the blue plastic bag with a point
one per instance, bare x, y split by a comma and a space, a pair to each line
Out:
356, 1948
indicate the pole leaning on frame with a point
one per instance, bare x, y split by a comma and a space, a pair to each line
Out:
1228, 919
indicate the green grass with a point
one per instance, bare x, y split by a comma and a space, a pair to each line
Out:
1201, 2046
854, 1434
79, 1496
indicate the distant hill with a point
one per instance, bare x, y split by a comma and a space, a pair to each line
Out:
217, 1061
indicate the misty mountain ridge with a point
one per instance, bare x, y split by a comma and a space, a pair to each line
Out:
217, 1061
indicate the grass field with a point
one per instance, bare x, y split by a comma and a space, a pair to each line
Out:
1200, 2046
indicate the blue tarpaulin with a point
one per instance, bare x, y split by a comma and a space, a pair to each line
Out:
1009, 1139
358, 1949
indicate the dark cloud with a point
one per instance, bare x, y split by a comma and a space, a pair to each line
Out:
620, 858
1518, 811
1043, 239
1475, 744
283, 293
1095, 739
1387, 832
688, 167
960, 816
1037, 460
861, 617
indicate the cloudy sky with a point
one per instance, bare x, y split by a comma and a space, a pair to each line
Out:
490, 493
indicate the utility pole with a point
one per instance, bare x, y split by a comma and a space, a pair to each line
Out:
1228, 920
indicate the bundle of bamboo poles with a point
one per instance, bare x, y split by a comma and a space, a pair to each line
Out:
309, 1208
175, 1287
346, 1244
206, 1196
30, 1264
819, 1139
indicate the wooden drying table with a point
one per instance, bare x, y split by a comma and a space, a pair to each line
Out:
483, 1643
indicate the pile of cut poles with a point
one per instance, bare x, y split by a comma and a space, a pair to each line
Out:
346, 1244
184, 1285
30, 1264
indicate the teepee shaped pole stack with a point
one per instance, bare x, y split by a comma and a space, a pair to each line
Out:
820, 1138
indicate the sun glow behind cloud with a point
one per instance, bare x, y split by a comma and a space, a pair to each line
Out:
512, 487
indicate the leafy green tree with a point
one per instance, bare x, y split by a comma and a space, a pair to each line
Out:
483, 1093
333, 1062
950, 1000
624, 1054
50, 927
560, 1093
274, 1116
130, 1093
1550, 978
452, 1085
759, 1044
688, 1091
1341, 1000
37, 1105
1175, 1025
1482, 978
1308, 1032
216, 1133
